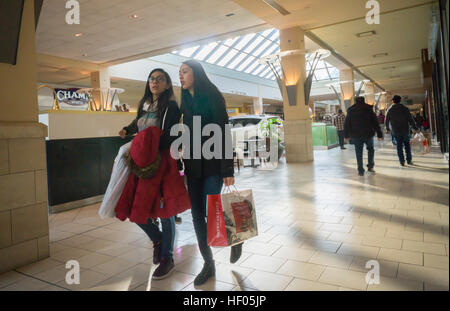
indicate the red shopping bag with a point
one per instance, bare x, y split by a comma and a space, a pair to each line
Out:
217, 235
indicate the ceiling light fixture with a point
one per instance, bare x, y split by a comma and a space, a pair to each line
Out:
277, 7
78, 34
229, 14
366, 34
134, 16
380, 55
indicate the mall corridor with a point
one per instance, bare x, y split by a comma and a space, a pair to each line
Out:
319, 224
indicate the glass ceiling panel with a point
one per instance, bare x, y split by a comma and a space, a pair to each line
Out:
246, 52
205, 51
212, 59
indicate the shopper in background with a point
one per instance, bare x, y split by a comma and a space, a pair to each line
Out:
361, 124
398, 120
339, 121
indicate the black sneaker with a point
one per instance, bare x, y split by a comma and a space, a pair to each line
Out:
208, 271
371, 170
361, 174
410, 163
236, 252
402, 163
156, 253
164, 269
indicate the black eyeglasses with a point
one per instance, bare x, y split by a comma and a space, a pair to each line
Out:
157, 79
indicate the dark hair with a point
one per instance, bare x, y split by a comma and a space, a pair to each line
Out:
396, 99
340, 111
204, 89
360, 100
164, 97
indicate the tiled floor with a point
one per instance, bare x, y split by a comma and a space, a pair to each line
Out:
319, 225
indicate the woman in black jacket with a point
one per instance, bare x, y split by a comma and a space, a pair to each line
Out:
158, 108
200, 98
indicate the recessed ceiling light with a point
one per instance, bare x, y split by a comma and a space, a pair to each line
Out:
134, 16
229, 14
366, 34
78, 34
277, 7
380, 55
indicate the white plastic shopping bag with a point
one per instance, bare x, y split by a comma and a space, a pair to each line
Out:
119, 177
419, 144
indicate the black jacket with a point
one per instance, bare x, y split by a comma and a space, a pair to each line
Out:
173, 117
398, 119
361, 122
212, 110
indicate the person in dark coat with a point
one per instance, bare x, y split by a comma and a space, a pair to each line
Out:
399, 120
158, 108
361, 124
201, 100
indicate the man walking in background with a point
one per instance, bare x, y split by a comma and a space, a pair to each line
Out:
398, 119
339, 122
360, 126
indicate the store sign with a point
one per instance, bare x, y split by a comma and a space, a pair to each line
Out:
71, 97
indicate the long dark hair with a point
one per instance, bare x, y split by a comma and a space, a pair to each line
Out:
204, 89
164, 97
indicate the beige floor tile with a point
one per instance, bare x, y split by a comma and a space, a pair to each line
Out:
53, 275
177, 281
55, 236
431, 276
27, 284
294, 253
436, 261
321, 245
53, 288
346, 237
344, 278
301, 270
56, 247
401, 256
260, 248
113, 284
210, 285
424, 247
190, 266
306, 285
358, 250
393, 284
263, 263
114, 266
93, 259
336, 228
368, 231
231, 273
88, 279
74, 228
382, 242
95, 245
331, 260
76, 240
287, 240
40, 266
10, 277
138, 255
116, 249
405, 235
266, 281
435, 238
387, 268
138, 274
69, 253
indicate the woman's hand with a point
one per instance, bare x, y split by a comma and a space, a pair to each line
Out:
228, 181
122, 133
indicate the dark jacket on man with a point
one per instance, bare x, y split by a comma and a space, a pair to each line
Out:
173, 117
398, 119
361, 122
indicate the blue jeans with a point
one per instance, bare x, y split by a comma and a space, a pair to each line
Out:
359, 148
166, 237
403, 140
198, 189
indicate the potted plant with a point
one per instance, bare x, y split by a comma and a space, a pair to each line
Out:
270, 129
